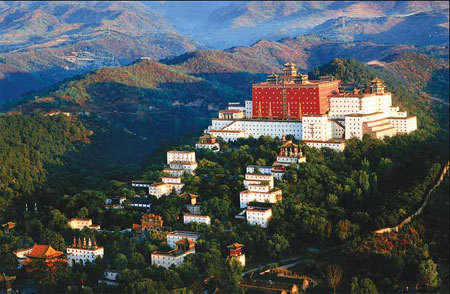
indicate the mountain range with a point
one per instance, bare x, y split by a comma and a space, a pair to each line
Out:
42, 43
227, 24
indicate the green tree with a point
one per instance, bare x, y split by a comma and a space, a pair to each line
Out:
365, 286
428, 273
56, 240
120, 262
83, 212
58, 220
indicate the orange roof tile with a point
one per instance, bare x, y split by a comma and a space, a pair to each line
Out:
43, 251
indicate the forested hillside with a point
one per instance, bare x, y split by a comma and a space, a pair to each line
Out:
30, 146
420, 72
152, 103
332, 203
432, 117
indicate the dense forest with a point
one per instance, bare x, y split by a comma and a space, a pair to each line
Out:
333, 203
59, 168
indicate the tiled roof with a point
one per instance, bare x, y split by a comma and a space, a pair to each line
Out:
43, 251
235, 245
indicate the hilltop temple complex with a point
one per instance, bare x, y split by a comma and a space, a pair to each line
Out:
318, 112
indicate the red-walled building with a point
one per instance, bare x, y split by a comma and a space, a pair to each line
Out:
291, 95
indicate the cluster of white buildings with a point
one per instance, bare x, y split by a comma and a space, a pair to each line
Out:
355, 114
322, 118
241, 124
179, 163
83, 251
259, 188
166, 186
259, 184
290, 154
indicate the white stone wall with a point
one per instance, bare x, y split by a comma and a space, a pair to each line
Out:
384, 102
335, 146
354, 124
267, 170
215, 147
248, 109
340, 106
255, 128
258, 188
337, 131
180, 156
259, 217
404, 125
249, 196
168, 180
166, 260
79, 224
353, 127
228, 136
369, 105
160, 190
77, 255
232, 115
316, 128
192, 218
240, 259
250, 178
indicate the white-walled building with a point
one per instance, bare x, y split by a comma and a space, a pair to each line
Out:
195, 218
208, 141
248, 109
253, 169
83, 252
81, 223
316, 127
180, 156
231, 114
259, 192
175, 236
166, 186
159, 189
181, 160
231, 125
140, 184
404, 125
175, 172
289, 154
338, 116
256, 178
140, 202
175, 256
355, 114
231, 130
235, 253
259, 215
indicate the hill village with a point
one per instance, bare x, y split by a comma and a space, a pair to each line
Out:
319, 113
